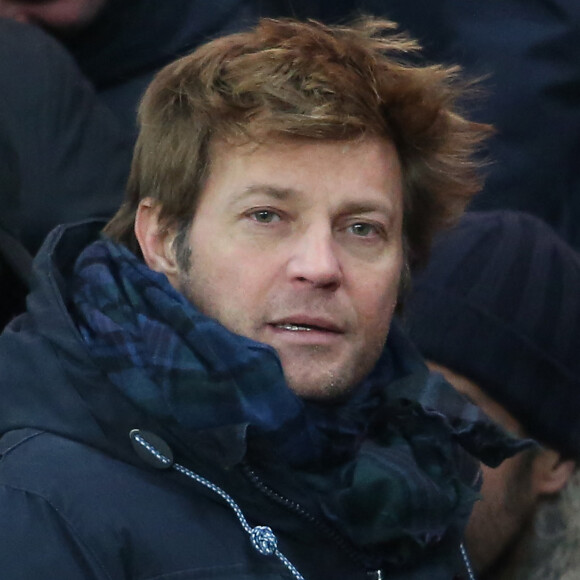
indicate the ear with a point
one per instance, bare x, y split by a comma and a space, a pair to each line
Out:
550, 472
156, 242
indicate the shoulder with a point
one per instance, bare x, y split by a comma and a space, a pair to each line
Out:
33, 501
114, 518
74, 477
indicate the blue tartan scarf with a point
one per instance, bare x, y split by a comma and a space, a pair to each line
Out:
382, 462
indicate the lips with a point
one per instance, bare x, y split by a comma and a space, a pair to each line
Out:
307, 324
295, 327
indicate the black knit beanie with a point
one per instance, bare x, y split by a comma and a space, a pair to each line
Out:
499, 303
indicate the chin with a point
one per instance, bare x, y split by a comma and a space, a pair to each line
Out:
318, 389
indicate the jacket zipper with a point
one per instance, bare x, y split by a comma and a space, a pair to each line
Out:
303, 513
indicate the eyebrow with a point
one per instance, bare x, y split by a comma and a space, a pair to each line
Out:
278, 193
363, 207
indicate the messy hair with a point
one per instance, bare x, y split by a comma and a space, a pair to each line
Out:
287, 78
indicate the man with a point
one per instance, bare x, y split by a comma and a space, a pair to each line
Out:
208, 391
497, 313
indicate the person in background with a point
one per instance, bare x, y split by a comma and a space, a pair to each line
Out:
119, 45
62, 16
63, 156
70, 159
497, 313
212, 387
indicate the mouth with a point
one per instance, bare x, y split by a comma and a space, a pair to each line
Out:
297, 327
300, 331
300, 325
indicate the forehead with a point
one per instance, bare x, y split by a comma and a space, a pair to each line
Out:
365, 168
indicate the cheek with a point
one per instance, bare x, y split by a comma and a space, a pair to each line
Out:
375, 306
228, 279
376, 295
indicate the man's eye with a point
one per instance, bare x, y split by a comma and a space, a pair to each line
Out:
363, 229
265, 216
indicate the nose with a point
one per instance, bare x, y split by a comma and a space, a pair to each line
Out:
314, 259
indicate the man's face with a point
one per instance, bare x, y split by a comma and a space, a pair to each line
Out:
57, 15
298, 244
500, 520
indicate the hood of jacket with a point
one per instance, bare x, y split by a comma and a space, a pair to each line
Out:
49, 380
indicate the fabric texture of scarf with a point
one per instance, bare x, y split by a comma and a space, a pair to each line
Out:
382, 463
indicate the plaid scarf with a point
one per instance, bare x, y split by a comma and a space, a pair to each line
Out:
382, 463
